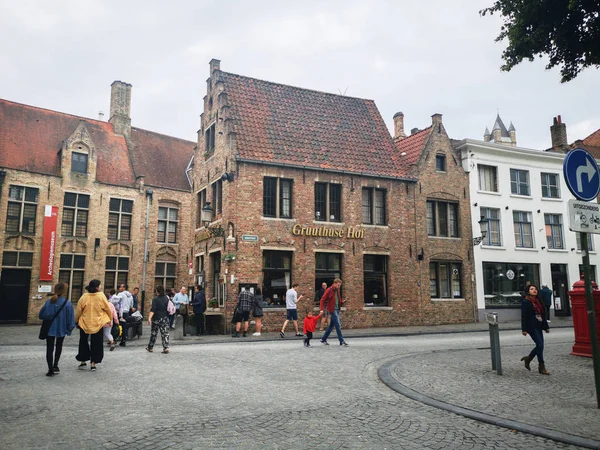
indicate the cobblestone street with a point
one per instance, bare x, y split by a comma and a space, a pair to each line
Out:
277, 394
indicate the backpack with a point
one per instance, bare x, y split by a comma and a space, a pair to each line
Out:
170, 307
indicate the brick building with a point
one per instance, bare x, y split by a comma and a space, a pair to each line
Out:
106, 180
305, 186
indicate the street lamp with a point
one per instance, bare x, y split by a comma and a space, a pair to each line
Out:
206, 216
483, 224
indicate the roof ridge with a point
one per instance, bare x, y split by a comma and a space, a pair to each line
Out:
165, 135
297, 87
54, 111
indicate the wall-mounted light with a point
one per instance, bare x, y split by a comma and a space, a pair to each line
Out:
539, 210
543, 248
474, 204
506, 208
318, 215
206, 216
573, 249
421, 256
227, 176
483, 224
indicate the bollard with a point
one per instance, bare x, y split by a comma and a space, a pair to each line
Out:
179, 324
492, 320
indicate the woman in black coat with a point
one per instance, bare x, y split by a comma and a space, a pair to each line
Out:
533, 321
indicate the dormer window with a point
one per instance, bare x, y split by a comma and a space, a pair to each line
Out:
79, 162
440, 163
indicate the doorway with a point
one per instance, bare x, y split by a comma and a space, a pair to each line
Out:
14, 295
560, 287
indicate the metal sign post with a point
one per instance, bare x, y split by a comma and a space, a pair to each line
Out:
583, 180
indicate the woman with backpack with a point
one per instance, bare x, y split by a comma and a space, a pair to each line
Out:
158, 319
61, 310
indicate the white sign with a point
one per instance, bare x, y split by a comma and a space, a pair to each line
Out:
44, 288
510, 274
584, 217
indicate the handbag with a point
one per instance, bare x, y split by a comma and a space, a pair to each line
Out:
115, 331
183, 309
47, 323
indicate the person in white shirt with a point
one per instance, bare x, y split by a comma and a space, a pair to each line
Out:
181, 298
291, 298
125, 303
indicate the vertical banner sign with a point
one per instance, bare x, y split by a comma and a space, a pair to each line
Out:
48, 243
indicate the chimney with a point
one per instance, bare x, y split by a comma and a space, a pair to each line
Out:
215, 64
120, 107
436, 119
100, 116
558, 134
414, 130
399, 126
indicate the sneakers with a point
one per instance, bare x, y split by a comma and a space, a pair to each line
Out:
308, 346
282, 334
93, 368
256, 334
165, 351
324, 342
299, 334
344, 344
82, 366
55, 369
50, 373
149, 349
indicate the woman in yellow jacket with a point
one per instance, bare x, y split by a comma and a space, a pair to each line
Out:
91, 314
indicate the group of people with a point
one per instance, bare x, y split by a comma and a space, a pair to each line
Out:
330, 302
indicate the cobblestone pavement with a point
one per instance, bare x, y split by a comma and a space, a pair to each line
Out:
276, 395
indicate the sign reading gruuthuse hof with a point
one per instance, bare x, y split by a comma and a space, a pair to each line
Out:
584, 217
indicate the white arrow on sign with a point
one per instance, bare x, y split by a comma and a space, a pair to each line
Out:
587, 169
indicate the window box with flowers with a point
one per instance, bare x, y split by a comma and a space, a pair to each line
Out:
230, 256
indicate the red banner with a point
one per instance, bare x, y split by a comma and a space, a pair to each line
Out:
48, 243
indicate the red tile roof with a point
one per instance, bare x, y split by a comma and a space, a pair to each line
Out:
413, 146
31, 138
284, 124
591, 144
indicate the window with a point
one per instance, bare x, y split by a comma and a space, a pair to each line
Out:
17, 259
444, 279
328, 206
21, 211
199, 265
440, 163
117, 271
504, 282
217, 198
277, 276
590, 238
328, 267
519, 182
592, 270
554, 233
72, 269
550, 185
75, 215
201, 201
442, 218
523, 229
165, 274
277, 197
79, 162
375, 280
493, 236
167, 225
373, 206
209, 139
488, 178
119, 219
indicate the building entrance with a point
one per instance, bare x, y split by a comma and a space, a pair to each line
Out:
560, 287
14, 295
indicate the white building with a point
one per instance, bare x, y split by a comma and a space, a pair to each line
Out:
523, 194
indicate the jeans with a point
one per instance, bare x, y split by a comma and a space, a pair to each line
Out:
334, 321
200, 323
538, 338
51, 357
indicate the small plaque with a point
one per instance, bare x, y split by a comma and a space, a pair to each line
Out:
44, 288
249, 238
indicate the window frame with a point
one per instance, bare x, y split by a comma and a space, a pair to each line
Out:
75, 223
376, 208
18, 256
267, 272
78, 164
119, 228
201, 201
162, 278
276, 202
210, 139
590, 241
370, 279
520, 242
67, 273
451, 279
25, 224
118, 272
485, 171
547, 186
329, 206
167, 221
554, 231
494, 226
440, 162
517, 185
436, 222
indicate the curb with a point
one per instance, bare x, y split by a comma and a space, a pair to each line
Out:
385, 375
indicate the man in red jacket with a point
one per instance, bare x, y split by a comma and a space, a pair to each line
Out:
332, 301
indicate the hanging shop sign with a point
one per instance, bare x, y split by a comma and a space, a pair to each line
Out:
324, 231
48, 243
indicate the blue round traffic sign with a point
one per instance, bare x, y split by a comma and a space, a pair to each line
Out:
581, 174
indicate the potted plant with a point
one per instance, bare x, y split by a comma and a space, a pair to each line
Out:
229, 256
213, 303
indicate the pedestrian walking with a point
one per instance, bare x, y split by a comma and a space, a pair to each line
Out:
125, 311
91, 314
309, 326
533, 321
257, 311
60, 311
546, 296
181, 302
332, 302
199, 305
318, 295
107, 329
158, 319
291, 300
243, 308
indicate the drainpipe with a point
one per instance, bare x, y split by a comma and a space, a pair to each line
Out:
149, 193
2, 176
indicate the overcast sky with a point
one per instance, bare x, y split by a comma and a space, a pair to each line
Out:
421, 58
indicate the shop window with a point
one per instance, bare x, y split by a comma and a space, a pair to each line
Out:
373, 206
165, 274
328, 205
22, 209
168, 220
277, 197
72, 271
277, 276
375, 270
75, 215
442, 218
116, 272
445, 279
504, 282
328, 267
119, 219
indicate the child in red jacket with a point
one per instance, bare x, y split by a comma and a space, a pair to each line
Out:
310, 324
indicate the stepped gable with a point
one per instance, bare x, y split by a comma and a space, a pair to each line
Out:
161, 159
412, 145
288, 125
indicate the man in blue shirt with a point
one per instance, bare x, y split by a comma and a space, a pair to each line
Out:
180, 299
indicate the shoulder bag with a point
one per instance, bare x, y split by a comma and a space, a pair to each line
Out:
47, 323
